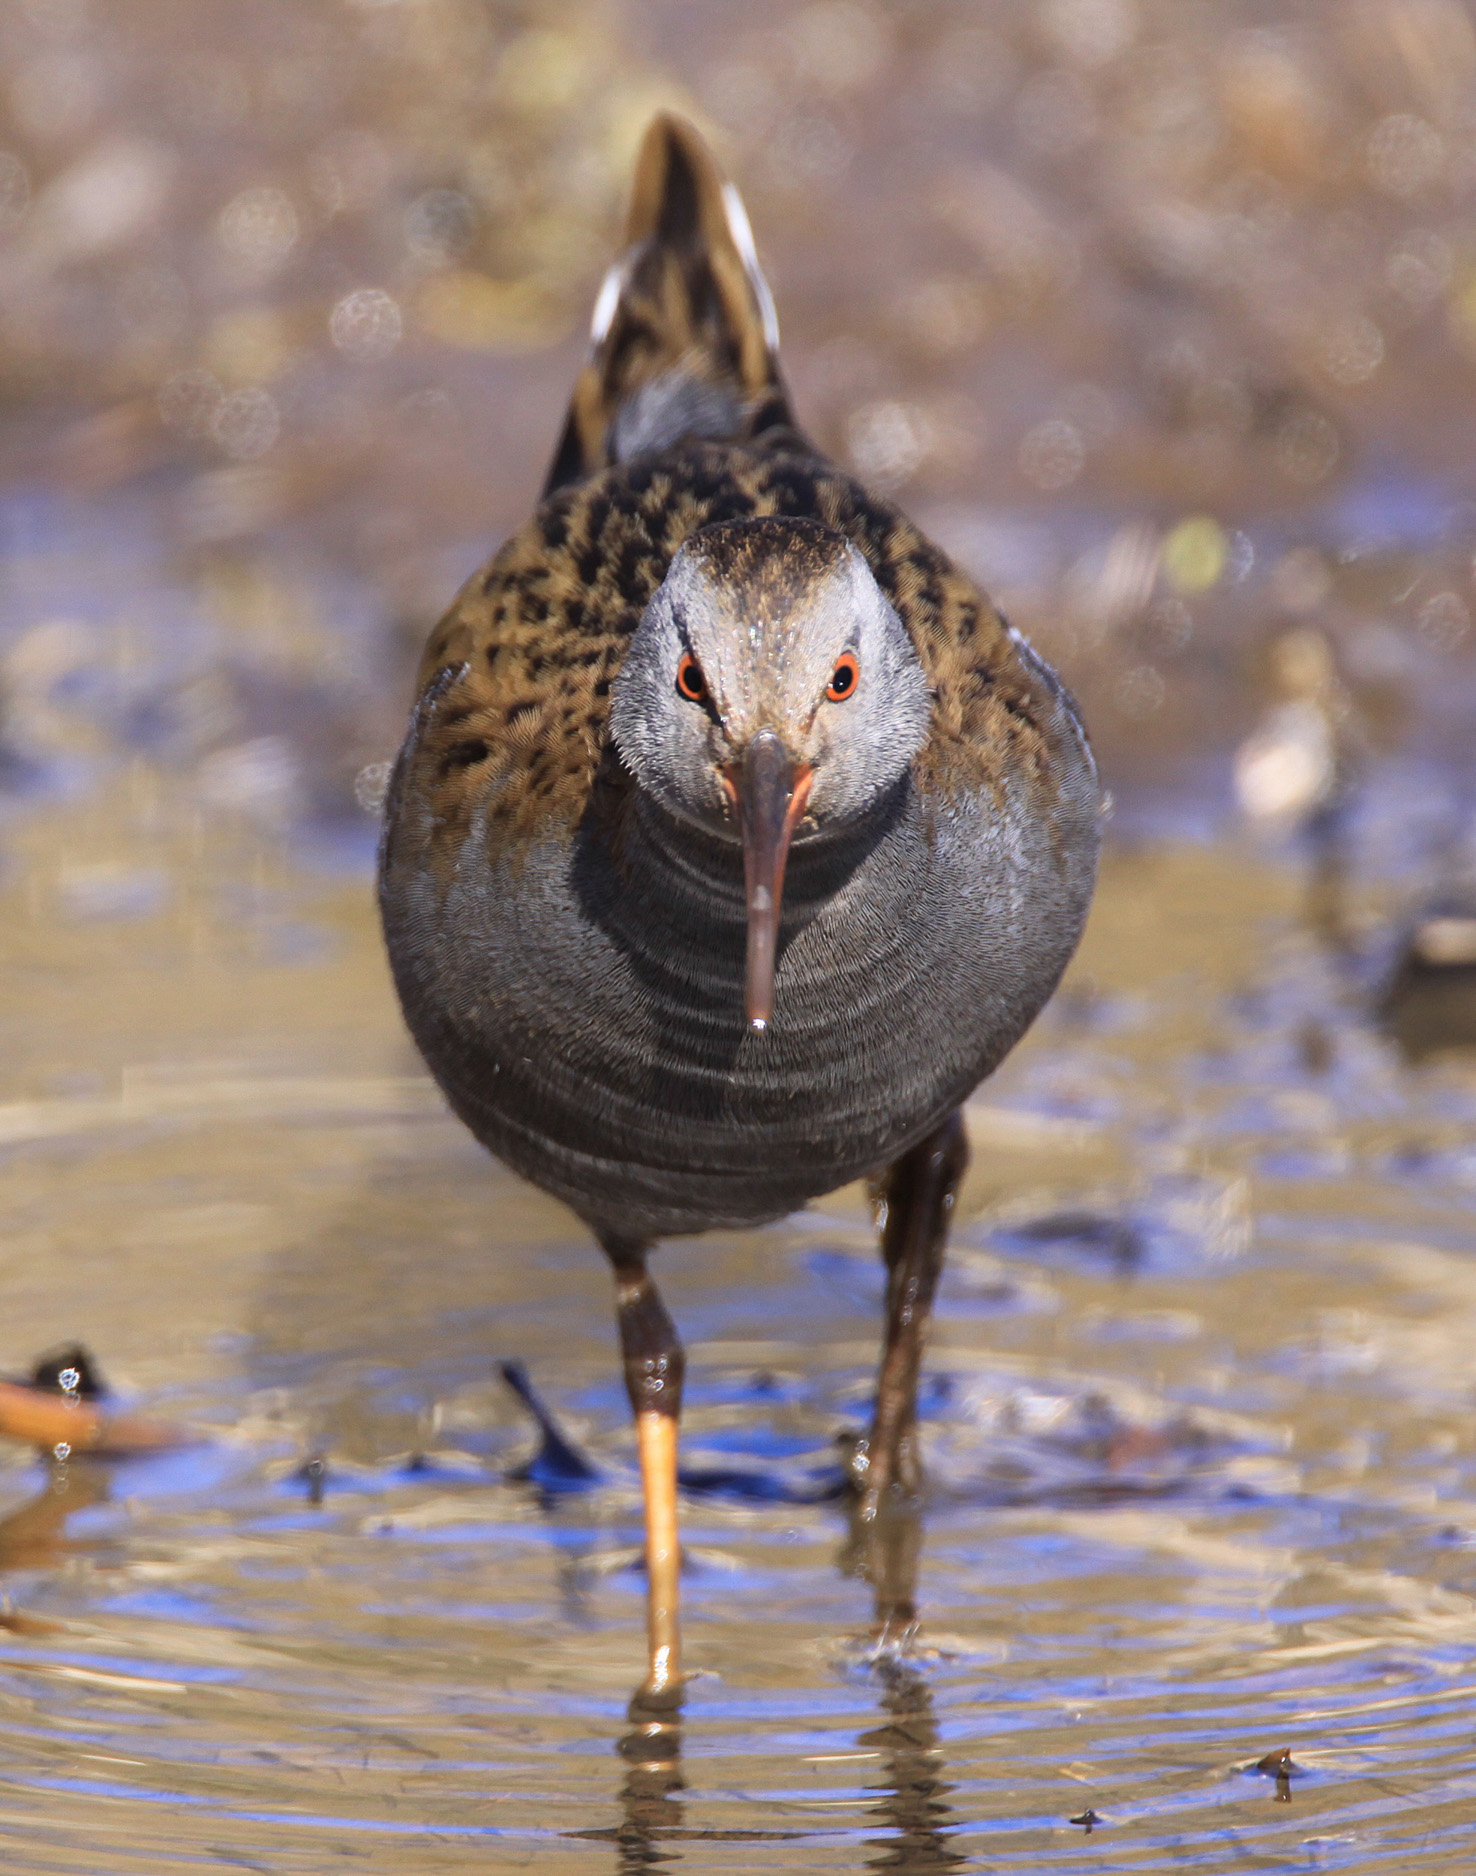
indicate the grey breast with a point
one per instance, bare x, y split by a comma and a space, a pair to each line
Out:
582, 1007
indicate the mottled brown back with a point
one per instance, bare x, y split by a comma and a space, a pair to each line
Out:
570, 956
530, 649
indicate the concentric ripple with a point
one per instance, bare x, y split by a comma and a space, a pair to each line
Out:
1197, 1421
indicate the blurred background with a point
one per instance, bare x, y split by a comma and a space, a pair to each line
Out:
1161, 316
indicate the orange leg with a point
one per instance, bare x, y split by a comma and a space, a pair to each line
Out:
657, 1437
654, 1368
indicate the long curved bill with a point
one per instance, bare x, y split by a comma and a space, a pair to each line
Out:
769, 791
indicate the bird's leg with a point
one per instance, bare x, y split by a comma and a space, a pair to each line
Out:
654, 1367
883, 1548
918, 1197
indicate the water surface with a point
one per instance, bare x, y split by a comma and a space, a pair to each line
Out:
1198, 1425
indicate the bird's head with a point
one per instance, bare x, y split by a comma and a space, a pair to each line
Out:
770, 691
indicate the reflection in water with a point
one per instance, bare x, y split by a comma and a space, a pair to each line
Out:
33, 1536
232, 1183
651, 1812
914, 1790
309, 1690
885, 1551
912, 1801
652, 1815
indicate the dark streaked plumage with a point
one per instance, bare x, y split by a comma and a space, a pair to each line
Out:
706, 642
577, 986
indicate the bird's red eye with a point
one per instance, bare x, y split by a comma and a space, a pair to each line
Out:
690, 681
844, 678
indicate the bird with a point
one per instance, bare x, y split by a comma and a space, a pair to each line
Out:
735, 836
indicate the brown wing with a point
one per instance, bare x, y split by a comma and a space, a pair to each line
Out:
520, 670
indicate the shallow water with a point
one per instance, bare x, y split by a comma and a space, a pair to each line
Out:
1162, 319
1198, 1422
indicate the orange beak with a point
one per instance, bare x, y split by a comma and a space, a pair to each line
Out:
768, 791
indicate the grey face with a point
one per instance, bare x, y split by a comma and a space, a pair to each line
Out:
770, 625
